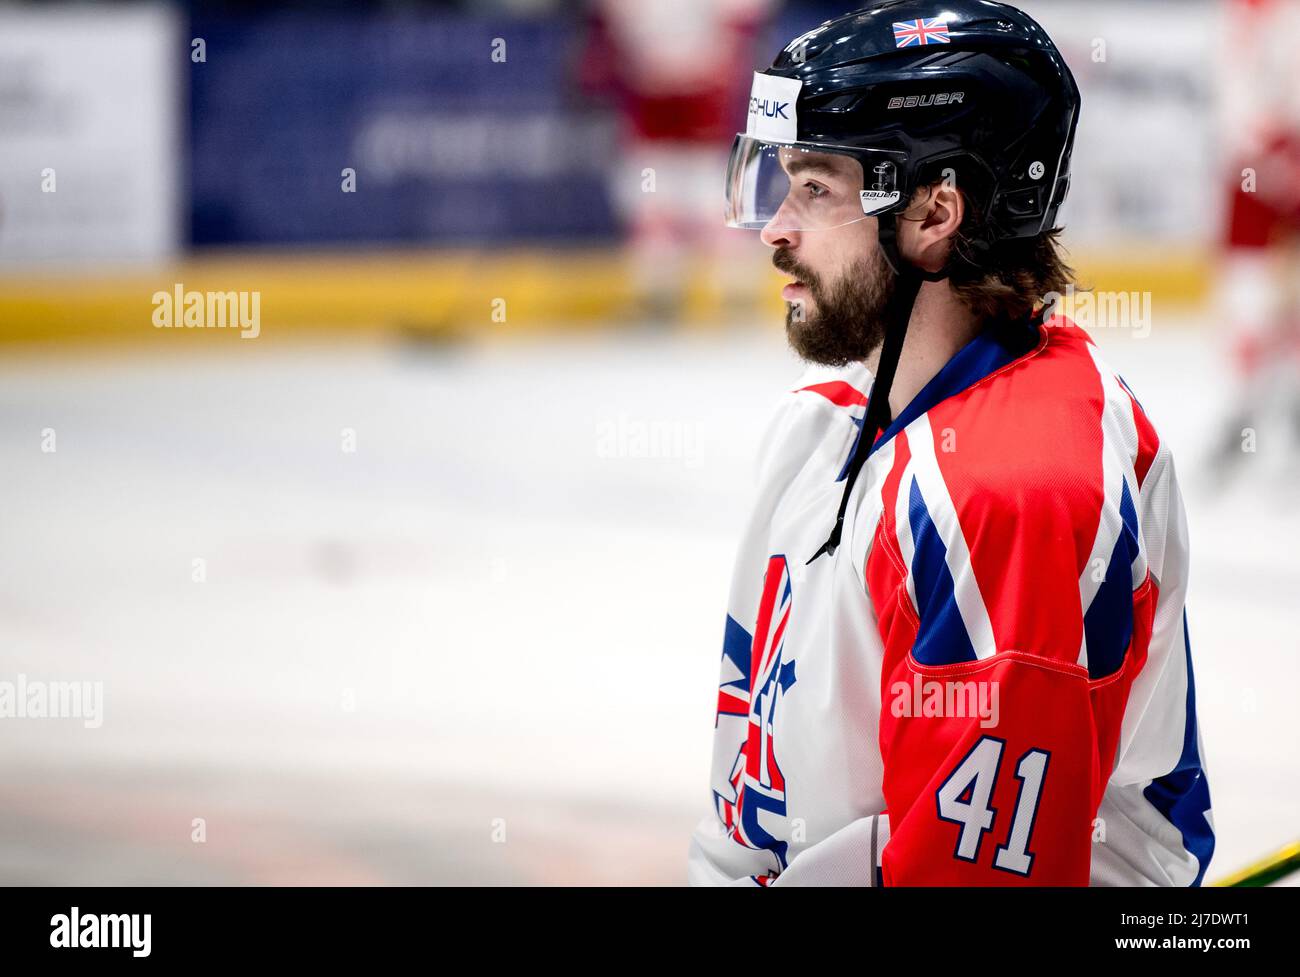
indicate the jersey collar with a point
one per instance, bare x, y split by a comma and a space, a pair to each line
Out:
998, 345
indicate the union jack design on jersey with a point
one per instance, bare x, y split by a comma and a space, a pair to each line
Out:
754, 690
915, 33
843, 395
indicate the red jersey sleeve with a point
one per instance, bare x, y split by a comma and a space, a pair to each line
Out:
1015, 605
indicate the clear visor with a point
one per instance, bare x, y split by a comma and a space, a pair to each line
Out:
801, 186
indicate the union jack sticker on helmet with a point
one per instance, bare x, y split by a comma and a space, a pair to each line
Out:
915, 33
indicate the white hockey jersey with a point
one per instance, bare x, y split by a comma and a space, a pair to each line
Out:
989, 681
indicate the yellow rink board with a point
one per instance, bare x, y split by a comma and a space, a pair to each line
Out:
452, 293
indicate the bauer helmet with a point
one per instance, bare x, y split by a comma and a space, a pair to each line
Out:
968, 90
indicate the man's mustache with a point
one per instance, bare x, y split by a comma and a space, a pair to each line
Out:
784, 261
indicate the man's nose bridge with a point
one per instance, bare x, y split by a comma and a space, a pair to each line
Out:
787, 212
783, 222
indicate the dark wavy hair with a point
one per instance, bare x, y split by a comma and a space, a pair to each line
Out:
1009, 278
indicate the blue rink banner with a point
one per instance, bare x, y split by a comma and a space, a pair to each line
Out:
459, 131
471, 130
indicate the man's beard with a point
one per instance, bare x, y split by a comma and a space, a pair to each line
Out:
845, 322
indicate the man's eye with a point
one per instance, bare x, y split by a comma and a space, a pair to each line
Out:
816, 190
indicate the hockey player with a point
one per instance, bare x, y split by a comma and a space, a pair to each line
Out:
1257, 295
672, 67
955, 649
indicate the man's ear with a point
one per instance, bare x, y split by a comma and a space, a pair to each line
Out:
930, 224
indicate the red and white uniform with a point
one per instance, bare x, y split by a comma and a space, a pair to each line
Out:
1258, 121
989, 682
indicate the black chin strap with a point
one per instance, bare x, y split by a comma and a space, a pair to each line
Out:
897, 315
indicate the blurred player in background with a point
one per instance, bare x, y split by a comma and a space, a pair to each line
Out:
1258, 294
672, 67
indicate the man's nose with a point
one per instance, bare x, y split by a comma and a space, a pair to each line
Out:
776, 236
778, 231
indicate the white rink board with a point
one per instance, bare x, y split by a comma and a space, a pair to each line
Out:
90, 121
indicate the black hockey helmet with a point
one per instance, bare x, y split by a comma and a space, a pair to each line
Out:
918, 91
